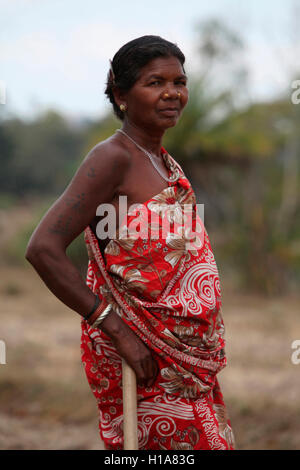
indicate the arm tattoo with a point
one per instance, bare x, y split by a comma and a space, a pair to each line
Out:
91, 173
76, 203
61, 227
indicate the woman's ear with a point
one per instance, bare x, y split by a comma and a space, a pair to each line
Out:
120, 96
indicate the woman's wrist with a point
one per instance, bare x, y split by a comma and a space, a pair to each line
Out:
114, 327
97, 312
95, 306
101, 317
111, 324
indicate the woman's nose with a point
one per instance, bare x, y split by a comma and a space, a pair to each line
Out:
170, 93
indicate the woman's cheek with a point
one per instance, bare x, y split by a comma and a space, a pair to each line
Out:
184, 99
186, 95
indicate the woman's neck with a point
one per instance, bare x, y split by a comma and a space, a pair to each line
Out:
150, 140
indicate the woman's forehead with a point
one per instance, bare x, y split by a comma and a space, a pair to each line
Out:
162, 65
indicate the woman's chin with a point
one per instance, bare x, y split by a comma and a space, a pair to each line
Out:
169, 121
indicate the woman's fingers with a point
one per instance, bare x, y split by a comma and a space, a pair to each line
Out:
154, 373
140, 373
139, 357
150, 370
146, 371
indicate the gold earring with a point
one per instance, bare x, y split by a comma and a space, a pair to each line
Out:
123, 107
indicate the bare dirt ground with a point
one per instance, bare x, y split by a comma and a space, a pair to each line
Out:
45, 400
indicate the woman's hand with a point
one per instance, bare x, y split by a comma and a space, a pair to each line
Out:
131, 348
138, 356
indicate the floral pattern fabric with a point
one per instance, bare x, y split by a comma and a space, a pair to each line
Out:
165, 285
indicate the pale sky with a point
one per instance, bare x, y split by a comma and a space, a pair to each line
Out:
55, 53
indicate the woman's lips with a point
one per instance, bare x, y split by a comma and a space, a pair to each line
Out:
169, 111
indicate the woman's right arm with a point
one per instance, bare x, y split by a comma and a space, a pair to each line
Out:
95, 182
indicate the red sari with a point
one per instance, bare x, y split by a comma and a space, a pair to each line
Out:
166, 287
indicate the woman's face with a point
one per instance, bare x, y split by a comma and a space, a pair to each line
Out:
158, 97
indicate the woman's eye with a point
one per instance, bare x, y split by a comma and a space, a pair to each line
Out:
155, 83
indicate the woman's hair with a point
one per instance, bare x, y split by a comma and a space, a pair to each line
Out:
130, 58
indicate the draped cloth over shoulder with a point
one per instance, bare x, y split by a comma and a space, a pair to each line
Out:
165, 286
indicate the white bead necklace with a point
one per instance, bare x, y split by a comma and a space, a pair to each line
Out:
150, 155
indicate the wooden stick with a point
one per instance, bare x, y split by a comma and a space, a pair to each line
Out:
129, 407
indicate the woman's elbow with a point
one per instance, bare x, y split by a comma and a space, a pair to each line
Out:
33, 252
36, 252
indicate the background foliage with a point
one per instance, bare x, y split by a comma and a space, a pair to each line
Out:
242, 158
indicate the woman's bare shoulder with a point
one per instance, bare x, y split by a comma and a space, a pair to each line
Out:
110, 154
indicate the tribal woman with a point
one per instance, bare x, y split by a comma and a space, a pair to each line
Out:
152, 293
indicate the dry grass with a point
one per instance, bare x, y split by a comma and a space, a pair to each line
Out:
261, 384
45, 400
